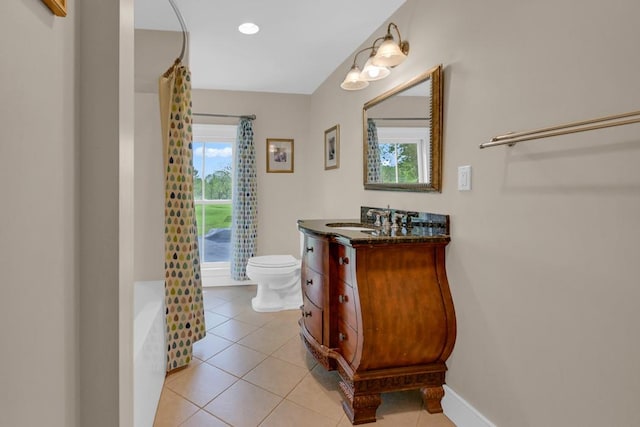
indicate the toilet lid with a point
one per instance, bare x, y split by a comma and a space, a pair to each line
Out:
273, 261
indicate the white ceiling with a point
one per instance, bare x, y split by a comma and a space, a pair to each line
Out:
300, 43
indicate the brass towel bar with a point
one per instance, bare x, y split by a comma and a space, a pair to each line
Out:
511, 139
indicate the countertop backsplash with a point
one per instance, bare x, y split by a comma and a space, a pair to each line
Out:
423, 219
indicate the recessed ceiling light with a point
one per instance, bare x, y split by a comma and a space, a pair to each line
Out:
248, 28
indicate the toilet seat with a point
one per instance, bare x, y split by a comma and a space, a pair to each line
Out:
274, 261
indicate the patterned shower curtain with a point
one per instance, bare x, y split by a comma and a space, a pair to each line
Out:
182, 286
373, 153
244, 228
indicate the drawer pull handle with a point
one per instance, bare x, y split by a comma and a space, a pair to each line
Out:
309, 282
343, 260
309, 248
306, 313
342, 337
342, 299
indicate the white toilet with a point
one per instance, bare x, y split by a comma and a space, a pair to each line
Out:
278, 280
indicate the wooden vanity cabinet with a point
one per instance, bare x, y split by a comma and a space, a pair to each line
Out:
384, 318
315, 288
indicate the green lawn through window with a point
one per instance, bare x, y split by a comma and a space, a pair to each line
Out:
216, 216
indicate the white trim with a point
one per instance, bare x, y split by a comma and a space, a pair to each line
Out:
210, 282
460, 412
402, 133
218, 133
220, 277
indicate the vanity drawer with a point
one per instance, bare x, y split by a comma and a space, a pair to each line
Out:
312, 317
344, 259
314, 253
347, 341
312, 286
346, 304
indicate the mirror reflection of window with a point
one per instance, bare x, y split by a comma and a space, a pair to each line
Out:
402, 133
404, 154
400, 119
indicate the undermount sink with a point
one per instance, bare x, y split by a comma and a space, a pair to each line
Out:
348, 226
371, 231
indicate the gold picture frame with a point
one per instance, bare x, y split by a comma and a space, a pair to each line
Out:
332, 148
58, 7
279, 155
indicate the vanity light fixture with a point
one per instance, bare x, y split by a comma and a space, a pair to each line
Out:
371, 71
381, 59
390, 53
353, 81
357, 79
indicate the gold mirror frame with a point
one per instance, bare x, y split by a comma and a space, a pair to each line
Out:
435, 182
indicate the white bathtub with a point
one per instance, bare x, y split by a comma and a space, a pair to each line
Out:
149, 353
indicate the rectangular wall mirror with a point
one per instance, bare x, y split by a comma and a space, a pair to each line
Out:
402, 131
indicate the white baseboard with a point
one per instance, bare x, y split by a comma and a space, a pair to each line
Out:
208, 282
220, 276
460, 412
213, 281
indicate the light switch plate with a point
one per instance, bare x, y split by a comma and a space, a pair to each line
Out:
464, 178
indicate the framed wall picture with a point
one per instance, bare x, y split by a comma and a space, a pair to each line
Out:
332, 148
58, 7
279, 155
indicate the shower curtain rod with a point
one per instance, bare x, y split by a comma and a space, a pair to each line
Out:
248, 116
183, 25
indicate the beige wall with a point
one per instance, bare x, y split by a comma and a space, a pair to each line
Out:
280, 201
38, 219
543, 260
282, 197
66, 225
155, 51
543, 263
106, 212
149, 200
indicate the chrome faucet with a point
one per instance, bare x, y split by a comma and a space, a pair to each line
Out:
396, 220
379, 214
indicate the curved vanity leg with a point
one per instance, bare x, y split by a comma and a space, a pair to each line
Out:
362, 408
432, 396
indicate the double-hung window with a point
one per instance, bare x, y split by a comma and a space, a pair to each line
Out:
213, 147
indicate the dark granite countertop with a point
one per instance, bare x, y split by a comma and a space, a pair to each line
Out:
372, 235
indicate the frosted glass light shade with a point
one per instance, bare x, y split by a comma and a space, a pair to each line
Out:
353, 81
372, 72
389, 54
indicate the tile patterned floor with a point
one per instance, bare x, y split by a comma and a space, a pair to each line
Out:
252, 370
